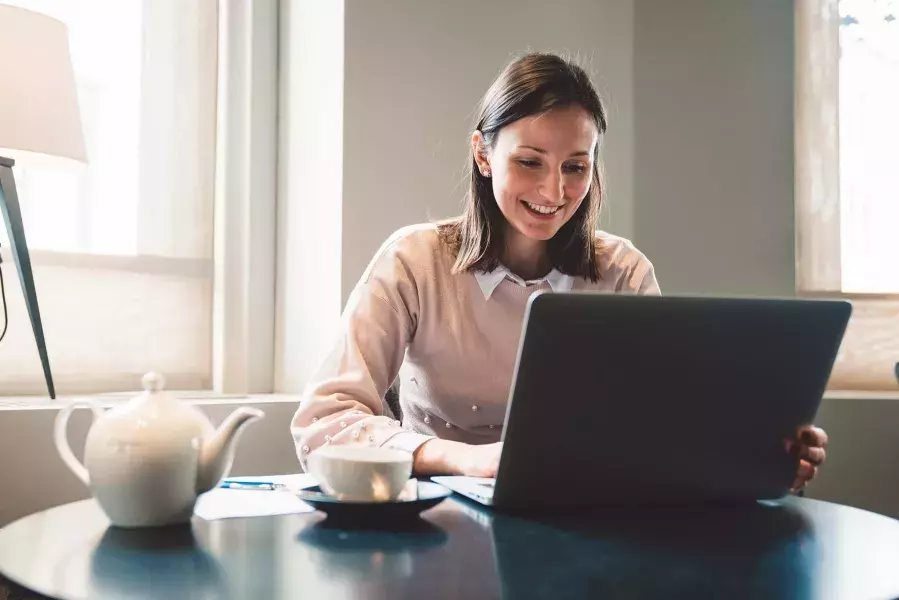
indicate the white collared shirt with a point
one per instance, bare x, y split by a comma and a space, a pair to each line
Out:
558, 281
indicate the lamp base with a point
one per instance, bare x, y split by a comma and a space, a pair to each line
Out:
12, 215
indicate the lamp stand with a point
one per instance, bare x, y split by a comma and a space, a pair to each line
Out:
12, 215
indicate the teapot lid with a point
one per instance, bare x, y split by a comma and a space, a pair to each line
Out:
153, 382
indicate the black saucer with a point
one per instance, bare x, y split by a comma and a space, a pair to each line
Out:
429, 495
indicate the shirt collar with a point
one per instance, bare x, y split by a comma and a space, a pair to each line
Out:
488, 282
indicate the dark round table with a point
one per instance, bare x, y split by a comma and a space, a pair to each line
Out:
795, 548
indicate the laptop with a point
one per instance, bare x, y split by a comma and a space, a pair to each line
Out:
621, 398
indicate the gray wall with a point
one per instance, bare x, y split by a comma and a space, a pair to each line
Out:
713, 91
415, 71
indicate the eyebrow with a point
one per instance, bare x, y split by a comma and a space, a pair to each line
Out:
542, 151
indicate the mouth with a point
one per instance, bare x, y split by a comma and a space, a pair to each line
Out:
541, 210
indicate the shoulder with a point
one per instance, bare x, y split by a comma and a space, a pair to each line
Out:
418, 236
411, 248
612, 250
621, 261
412, 243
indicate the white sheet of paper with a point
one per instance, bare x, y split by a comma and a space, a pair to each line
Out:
222, 503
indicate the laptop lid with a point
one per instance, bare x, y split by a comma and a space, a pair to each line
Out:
625, 398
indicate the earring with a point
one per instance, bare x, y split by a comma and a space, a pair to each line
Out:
486, 172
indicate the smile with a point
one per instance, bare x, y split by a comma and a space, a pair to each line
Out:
540, 209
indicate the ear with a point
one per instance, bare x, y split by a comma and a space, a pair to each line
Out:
479, 151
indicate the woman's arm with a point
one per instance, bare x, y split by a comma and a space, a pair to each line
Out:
343, 402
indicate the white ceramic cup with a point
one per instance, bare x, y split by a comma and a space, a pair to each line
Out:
359, 474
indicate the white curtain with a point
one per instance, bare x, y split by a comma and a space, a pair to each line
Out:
122, 247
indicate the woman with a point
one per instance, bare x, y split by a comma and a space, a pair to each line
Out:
441, 306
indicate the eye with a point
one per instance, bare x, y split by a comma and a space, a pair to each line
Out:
528, 163
577, 169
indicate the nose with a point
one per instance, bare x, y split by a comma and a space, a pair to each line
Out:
554, 187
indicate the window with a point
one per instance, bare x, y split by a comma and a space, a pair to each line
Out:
847, 176
122, 247
869, 156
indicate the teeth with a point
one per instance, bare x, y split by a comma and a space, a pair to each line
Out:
544, 210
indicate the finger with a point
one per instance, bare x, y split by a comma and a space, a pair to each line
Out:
807, 470
812, 436
805, 474
812, 454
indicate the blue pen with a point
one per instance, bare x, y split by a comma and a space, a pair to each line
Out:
251, 485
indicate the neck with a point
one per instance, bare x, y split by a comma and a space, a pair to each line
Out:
526, 257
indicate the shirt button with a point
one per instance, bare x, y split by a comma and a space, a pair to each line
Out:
327, 439
413, 380
490, 426
449, 425
475, 408
427, 420
315, 419
305, 449
343, 423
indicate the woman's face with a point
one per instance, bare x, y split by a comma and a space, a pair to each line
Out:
541, 168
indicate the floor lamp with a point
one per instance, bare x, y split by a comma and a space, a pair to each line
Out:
38, 115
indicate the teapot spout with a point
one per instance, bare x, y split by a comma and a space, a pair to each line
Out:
217, 452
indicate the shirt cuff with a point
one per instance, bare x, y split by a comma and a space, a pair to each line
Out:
407, 440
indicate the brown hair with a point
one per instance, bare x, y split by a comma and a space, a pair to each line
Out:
530, 85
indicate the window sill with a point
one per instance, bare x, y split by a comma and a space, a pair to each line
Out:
862, 395
24, 403
868, 355
196, 268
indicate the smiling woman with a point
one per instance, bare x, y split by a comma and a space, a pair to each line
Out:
439, 308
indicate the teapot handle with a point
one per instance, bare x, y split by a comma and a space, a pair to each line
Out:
60, 436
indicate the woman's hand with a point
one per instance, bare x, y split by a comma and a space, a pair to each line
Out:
443, 457
482, 461
809, 448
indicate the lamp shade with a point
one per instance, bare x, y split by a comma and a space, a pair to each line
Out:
38, 100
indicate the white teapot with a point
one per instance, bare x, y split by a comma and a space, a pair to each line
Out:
146, 461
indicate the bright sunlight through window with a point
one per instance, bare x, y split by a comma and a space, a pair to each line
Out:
93, 208
869, 145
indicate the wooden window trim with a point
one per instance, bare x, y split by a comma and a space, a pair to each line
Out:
817, 146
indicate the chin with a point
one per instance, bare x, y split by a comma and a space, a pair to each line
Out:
539, 234
543, 237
